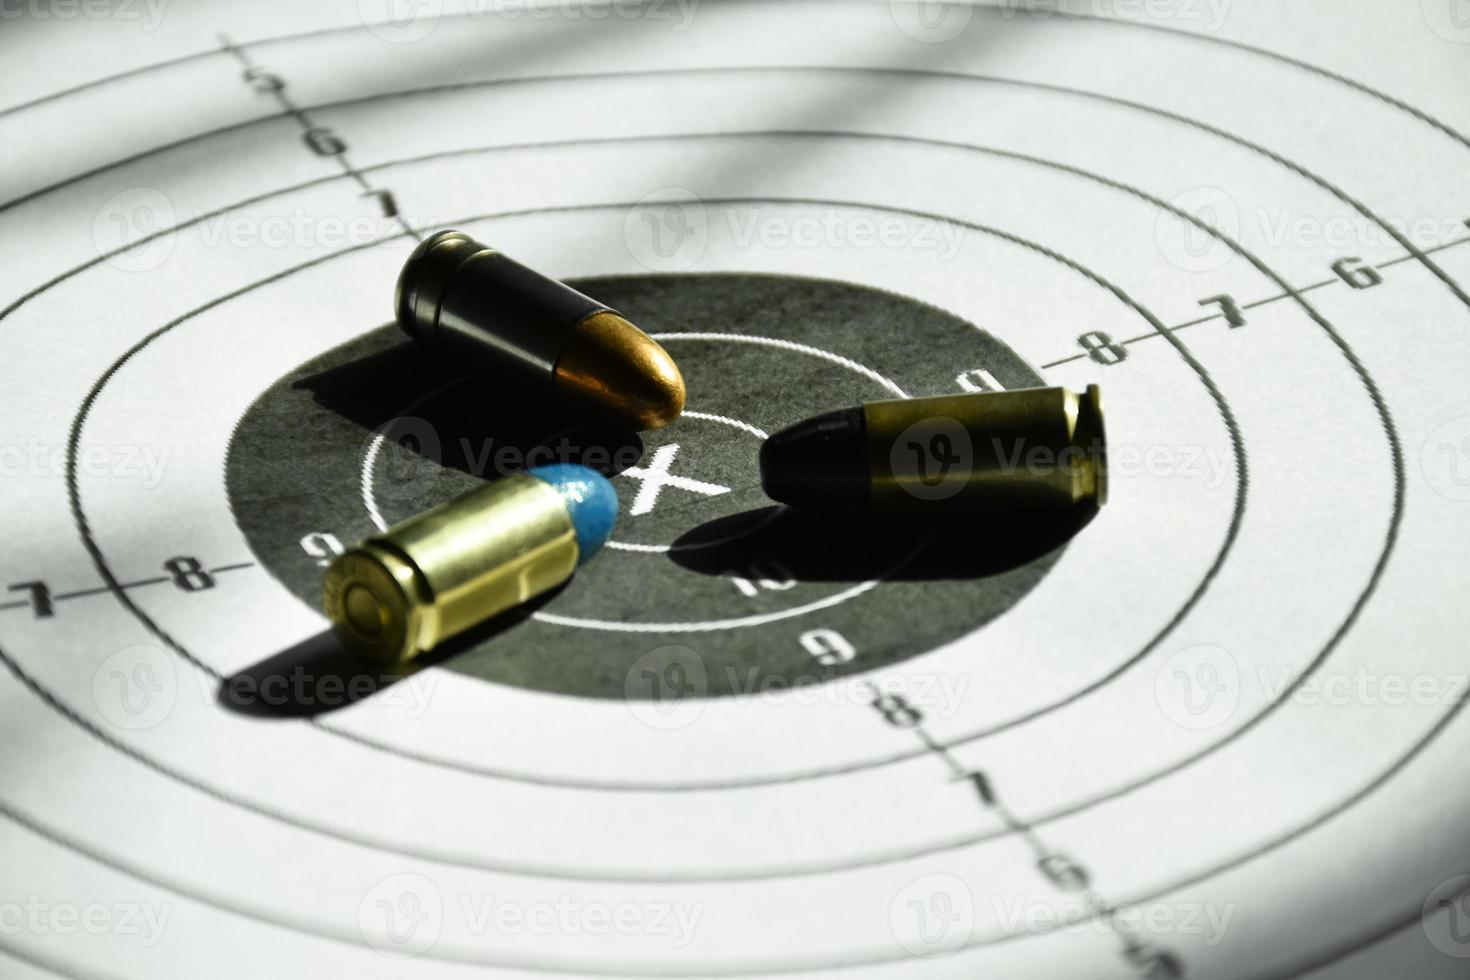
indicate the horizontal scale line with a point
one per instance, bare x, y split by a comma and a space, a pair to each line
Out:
1257, 304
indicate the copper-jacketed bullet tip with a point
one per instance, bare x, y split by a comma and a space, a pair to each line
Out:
474, 305
610, 367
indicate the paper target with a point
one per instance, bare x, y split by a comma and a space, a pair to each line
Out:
1216, 733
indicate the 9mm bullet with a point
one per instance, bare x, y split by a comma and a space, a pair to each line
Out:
1030, 449
471, 304
401, 593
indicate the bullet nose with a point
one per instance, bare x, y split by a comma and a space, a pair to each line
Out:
591, 502
610, 368
818, 462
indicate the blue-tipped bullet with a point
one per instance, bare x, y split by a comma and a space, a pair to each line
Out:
402, 593
591, 502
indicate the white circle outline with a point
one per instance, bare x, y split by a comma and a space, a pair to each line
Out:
365, 481
742, 338
696, 626
758, 620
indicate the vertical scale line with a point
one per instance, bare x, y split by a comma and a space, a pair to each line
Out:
1065, 875
276, 87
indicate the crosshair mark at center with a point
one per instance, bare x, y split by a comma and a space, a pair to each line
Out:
653, 478
667, 468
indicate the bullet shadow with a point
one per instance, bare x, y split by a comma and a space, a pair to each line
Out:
815, 547
479, 421
479, 425
317, 676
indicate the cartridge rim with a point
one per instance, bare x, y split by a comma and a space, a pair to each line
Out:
375, 600
426, 276
1090, 435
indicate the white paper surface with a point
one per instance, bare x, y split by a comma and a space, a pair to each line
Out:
1221, 738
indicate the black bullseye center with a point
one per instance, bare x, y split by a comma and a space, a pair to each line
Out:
373, 432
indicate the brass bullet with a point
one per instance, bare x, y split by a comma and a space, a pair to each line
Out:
472, 304
994, 451
401, 593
